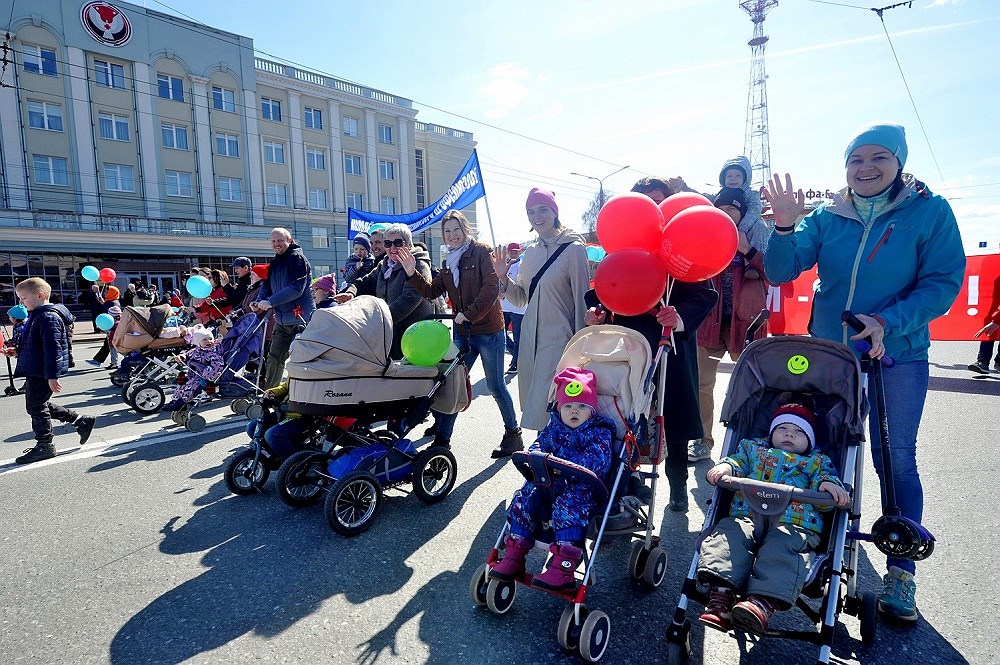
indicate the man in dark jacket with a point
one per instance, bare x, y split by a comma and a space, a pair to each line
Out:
286, 291
42, 357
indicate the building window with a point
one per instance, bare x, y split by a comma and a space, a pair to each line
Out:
51, 170
388, 205
119, 178
179, 184
355, 200
314, 118
170, 87
228, 145
39, 60
274, 153
277, 195
321, 237
109, 74
386, 169
352, 164
350, 126
45, 115
230, 189
270, 109
114, 127
316, 159
418, 162
318, 199
385, 134
174, 136
223, 99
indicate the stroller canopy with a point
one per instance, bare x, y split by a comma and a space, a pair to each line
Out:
150, 319
797, 365
349, 340
619, 358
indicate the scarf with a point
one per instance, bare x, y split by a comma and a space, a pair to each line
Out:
870, 207
390, 266
452, 259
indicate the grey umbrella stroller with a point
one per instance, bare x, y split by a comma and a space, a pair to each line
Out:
827, 377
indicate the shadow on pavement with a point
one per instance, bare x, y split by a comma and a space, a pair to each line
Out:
270, 566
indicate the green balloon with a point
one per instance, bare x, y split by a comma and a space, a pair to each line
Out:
425, 342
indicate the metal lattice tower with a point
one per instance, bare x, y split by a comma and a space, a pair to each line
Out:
756, 145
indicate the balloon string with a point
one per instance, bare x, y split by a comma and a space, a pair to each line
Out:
663, 303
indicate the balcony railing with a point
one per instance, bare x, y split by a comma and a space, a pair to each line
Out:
330, 82
69, 221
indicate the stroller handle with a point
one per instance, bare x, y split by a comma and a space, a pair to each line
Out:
773, 498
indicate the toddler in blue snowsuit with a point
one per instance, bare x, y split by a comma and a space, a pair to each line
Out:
578, 434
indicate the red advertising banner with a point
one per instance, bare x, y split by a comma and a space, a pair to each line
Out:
791, 303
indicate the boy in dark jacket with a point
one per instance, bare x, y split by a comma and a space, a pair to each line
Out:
43, 356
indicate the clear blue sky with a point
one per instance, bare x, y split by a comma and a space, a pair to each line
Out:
660, 86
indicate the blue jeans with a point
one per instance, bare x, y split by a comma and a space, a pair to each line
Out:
514, 321
905, 391
490, 348
289, 436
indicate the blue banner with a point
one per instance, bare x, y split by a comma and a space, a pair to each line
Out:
467, 188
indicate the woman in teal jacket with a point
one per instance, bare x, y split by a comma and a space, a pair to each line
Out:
890, 251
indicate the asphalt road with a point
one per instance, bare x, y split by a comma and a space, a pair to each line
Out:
131, 550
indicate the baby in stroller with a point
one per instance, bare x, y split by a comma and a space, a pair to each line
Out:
205, 364
770, 567
577, 433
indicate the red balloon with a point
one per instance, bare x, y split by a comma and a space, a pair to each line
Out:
629, 221
672, 205
630, 281
108, 275
698, 243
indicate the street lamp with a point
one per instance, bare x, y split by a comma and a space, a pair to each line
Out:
600, 182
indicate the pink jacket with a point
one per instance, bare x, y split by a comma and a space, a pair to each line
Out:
749, 297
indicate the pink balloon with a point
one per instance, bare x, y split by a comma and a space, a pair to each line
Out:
698, 243
629, 221
672, 205
630, 281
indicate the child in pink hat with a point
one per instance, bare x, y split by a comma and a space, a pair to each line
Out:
578, 434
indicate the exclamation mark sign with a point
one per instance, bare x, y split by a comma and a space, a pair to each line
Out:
973, 295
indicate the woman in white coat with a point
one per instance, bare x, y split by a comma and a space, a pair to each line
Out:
553, 278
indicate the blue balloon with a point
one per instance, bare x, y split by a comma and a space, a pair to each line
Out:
105, 322
595, 253
90, 273
198, 286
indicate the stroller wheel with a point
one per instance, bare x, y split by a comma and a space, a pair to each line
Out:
500, 595
147, 398
254, 411
240, 406
637, 560
569, 631
242, 476
299, 480
119, 380
195, 422
10, 391
656, 567
594, 636
177, 417
477, 588
679, 653
869, 618
353, 503
434, 474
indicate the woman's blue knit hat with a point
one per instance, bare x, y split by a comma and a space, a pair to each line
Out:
889, 135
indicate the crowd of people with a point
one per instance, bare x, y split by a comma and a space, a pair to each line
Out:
529, 300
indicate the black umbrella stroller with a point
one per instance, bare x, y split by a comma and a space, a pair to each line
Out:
827, 377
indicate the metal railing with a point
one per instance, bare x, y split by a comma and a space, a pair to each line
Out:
70, 221
330, 82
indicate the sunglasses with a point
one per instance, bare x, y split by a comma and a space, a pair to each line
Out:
398, 242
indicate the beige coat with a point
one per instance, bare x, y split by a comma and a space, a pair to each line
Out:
554, 314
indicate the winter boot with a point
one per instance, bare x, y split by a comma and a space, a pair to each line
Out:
755, 613
560, 575
84, 426
511, 566
719, 610
510, 444
41, 451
